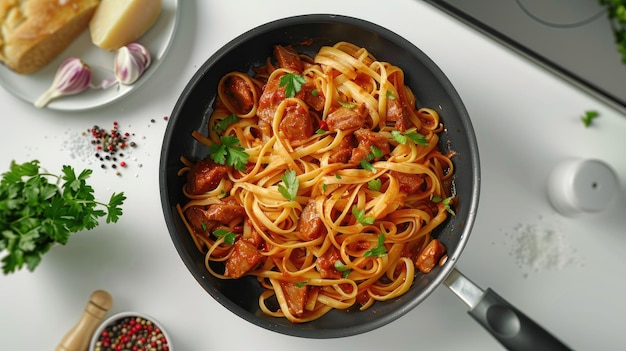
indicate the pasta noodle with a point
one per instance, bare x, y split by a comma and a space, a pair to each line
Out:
329, 187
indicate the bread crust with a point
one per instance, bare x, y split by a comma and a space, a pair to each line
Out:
35, 32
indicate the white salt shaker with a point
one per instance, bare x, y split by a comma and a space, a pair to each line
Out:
582, 186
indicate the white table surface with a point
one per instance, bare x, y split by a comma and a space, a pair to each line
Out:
526, 121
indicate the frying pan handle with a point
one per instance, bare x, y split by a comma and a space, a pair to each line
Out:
510, 326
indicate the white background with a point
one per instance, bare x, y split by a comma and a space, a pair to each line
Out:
526, 121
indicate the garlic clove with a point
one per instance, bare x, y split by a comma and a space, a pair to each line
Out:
72, 77
130, 63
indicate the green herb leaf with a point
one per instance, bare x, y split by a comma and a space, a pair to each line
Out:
229, 152
401, 138
446, 203
588, 117
359, 215
345, 271
229, 237
379, 250
292, 83
346, 104
315, 93
220, 127
289, 188
301, 284
36, 213
374, 184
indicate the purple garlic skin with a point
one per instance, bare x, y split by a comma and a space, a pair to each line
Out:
130, 63
72, 77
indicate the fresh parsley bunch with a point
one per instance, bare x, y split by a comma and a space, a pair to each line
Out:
38, 209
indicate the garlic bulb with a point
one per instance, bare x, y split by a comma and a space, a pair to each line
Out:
130, 63
72, 77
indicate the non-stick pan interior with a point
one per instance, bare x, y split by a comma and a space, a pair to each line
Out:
431, 88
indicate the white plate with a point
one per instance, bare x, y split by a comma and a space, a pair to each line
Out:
157, 40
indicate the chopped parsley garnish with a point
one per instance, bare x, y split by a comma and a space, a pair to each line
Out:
374, 184
220, 127
365, 163
229, 152
379, 250
301, 284
390, 95
229, 237
412, 135
289, 188
445, 202
346, 104
588, 117
345, 271
314, 92
292, 83
360, 216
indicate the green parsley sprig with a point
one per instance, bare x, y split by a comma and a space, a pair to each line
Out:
292, 83
229, 237
379, 249
446, 203
360, 216
412, 135
290, 185
229, 152
588, 117
38, 209
221, 125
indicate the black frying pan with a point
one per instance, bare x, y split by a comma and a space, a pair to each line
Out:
432, 89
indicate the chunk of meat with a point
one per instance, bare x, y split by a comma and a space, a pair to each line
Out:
296, 297
343, 151
240, 92
430, 256
315, 100
310, 225
297, 124
203, 220
325, 264
244, 258
271, 97
398, 114
409, 183
287, 57
205, 175
344, 118
366, 139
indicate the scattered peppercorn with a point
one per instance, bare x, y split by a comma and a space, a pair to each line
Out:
110, 144
132, 333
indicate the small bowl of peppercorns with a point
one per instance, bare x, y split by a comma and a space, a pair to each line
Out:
132, 331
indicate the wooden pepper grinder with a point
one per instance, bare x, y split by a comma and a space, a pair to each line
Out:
77, 339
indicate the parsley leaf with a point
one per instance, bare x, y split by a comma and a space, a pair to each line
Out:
359, 215
38, 209
220, 127
412, 135
341, 267
229, 237
374, 184
346, 104
379, 250
289, 188
292, 83
588, 117
229, 152
446, 203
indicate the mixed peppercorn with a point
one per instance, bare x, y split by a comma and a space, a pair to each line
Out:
132, 334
